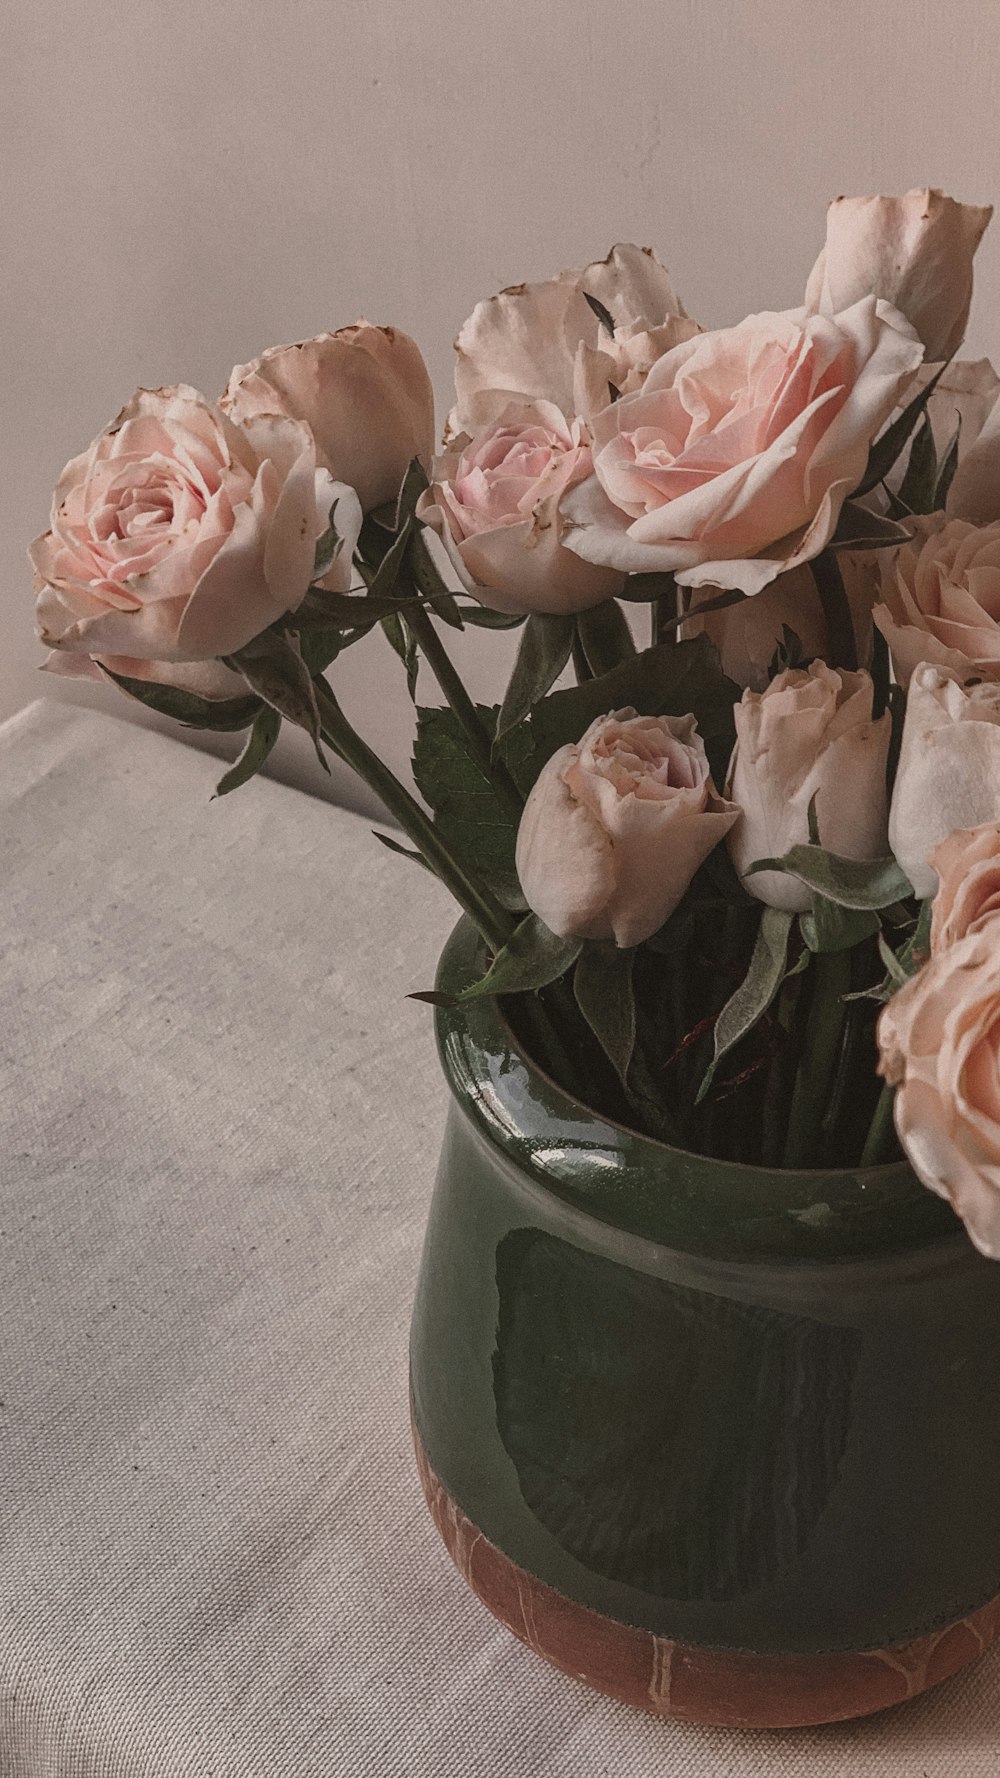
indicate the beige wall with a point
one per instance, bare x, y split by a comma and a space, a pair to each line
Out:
188, 182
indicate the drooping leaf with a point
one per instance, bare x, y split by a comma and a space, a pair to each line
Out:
328, 547
889, 446
543, 652
466, 807
755, 993
917, 488
532, 957
830, 927
859, 529
673, 679
946, 474
605, 637
849, 882
224, 715
273, 666
602, 985
482, 618
260, 741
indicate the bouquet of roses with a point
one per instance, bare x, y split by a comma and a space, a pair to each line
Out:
750, 859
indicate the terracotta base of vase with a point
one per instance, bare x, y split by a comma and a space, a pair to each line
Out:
685, 1682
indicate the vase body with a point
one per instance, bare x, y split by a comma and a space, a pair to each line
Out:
722, 1442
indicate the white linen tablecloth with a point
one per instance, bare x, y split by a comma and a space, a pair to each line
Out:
220, 1121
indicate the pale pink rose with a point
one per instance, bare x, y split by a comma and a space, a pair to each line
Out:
731, 464
941, 598
811, 734
948, 774
495, 503
975, 491
616, 826
543, 342
363, 391
939, 1038
179, 536
748, 633
915, 251
968, 869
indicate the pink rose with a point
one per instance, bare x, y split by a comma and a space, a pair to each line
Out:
543, 342
364, 393
179, 536
968, 869
731, 463
941, 598
495, 501
616, 826
915, 251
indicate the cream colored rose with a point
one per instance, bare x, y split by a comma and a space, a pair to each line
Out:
810, 734
968, 869
915, 251
617, 825
495, 503
949, 767
941, 598
731, 464
363, 391
748, 633
179, 536
939, 1038
543, 342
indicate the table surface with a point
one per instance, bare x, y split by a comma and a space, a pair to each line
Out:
221, 1119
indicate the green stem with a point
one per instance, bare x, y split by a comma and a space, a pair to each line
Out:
841, 644
881, 1134
831, 973
476, 733
492, 920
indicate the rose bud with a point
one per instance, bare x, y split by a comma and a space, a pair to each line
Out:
365, 394
949, 768
495, 503
968, 869
939, 1038
617, 825
915, 251
941, 598
179, 536
810, 734
731, 463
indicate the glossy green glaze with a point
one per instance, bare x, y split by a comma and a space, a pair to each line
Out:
741, 1409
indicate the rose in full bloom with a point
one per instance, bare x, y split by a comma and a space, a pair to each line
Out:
941, 598
915, 251
179, 536
939, 1038
495, 502
949, 767
365, 394
748, 633
731, 464
968, 869
810, 734
617, 825
544, 342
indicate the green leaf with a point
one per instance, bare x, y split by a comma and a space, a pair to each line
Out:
673, 679
388, 571
946, 474
755, 993
392, 845
829, 927
328, 547
886, 449
261, 739
645, 589
915, 953
602, 985
224, 715
859, 529
873, 883
604, 315
401, 640
895, 970
476, 823
532, 957
917, 488
605, 637
543, 652
273, 666
482, 618
414, 484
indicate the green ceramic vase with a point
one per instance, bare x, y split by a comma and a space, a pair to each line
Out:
722, 1442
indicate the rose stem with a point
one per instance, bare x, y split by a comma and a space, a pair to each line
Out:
831, 973
881, 1130
841, 644
427, 580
